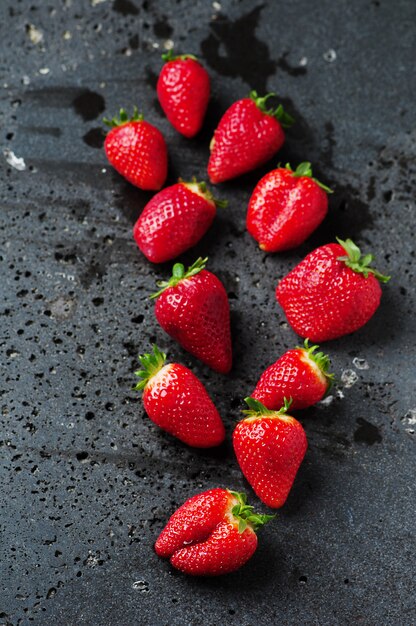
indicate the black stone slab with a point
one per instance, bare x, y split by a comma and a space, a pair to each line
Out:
87, 480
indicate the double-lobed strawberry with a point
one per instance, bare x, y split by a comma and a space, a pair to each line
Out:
183, 89
248, 134
333, 292
175, 219
285, 208
176, 400
192, 307
212, 533
137, 150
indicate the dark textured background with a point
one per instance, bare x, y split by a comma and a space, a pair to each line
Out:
87, 480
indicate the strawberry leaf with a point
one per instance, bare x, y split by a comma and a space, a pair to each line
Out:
178, 274
245, 515
151, 364
358, 263
305, 169
123, 118
257, 409
320, 358
279, 113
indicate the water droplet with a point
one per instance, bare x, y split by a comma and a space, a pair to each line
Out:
330, 55
349, 378
360, 364
141, 585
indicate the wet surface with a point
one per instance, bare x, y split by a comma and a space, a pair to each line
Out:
87, 481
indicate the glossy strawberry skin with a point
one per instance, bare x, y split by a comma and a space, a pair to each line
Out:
173, 221
285, 209
324, 299
295, 376
177, 401
245, 138
269, 451
196, 314
202, 539
183, 89
225, 551
137, 150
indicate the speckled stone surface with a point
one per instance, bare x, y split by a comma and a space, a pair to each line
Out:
87, 481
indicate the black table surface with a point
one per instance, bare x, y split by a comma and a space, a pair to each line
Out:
87, 481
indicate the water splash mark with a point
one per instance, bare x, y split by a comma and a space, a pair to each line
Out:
410, 421
232, 49
360, 364
349, 378
141, 585
367, 432
17, 162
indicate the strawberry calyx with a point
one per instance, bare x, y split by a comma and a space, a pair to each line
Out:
151, 364
169, 56
178, 274
279, 113
321, 359
200, 188
244, 513
359, 263
257, 409
124, 118
305, 169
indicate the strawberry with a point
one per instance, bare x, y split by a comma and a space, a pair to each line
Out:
269, 446
212, 533
183, 91
331, 293
192, 307
176, 400
285, 208
248, 135
137, 150
174, 220
300, 374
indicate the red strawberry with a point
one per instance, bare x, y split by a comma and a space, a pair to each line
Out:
331, 293
174, 220
178, 402
137, 150
247, 136
286, 207
300, 374
183, 91
269, 446
212, 533
192, 307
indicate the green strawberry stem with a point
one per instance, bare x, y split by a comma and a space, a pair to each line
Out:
257, 409
245, 513
204, 191
124, 118
151, 364
359, 263
305, 169
279, 113
320, 358
169, 56
178, 274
